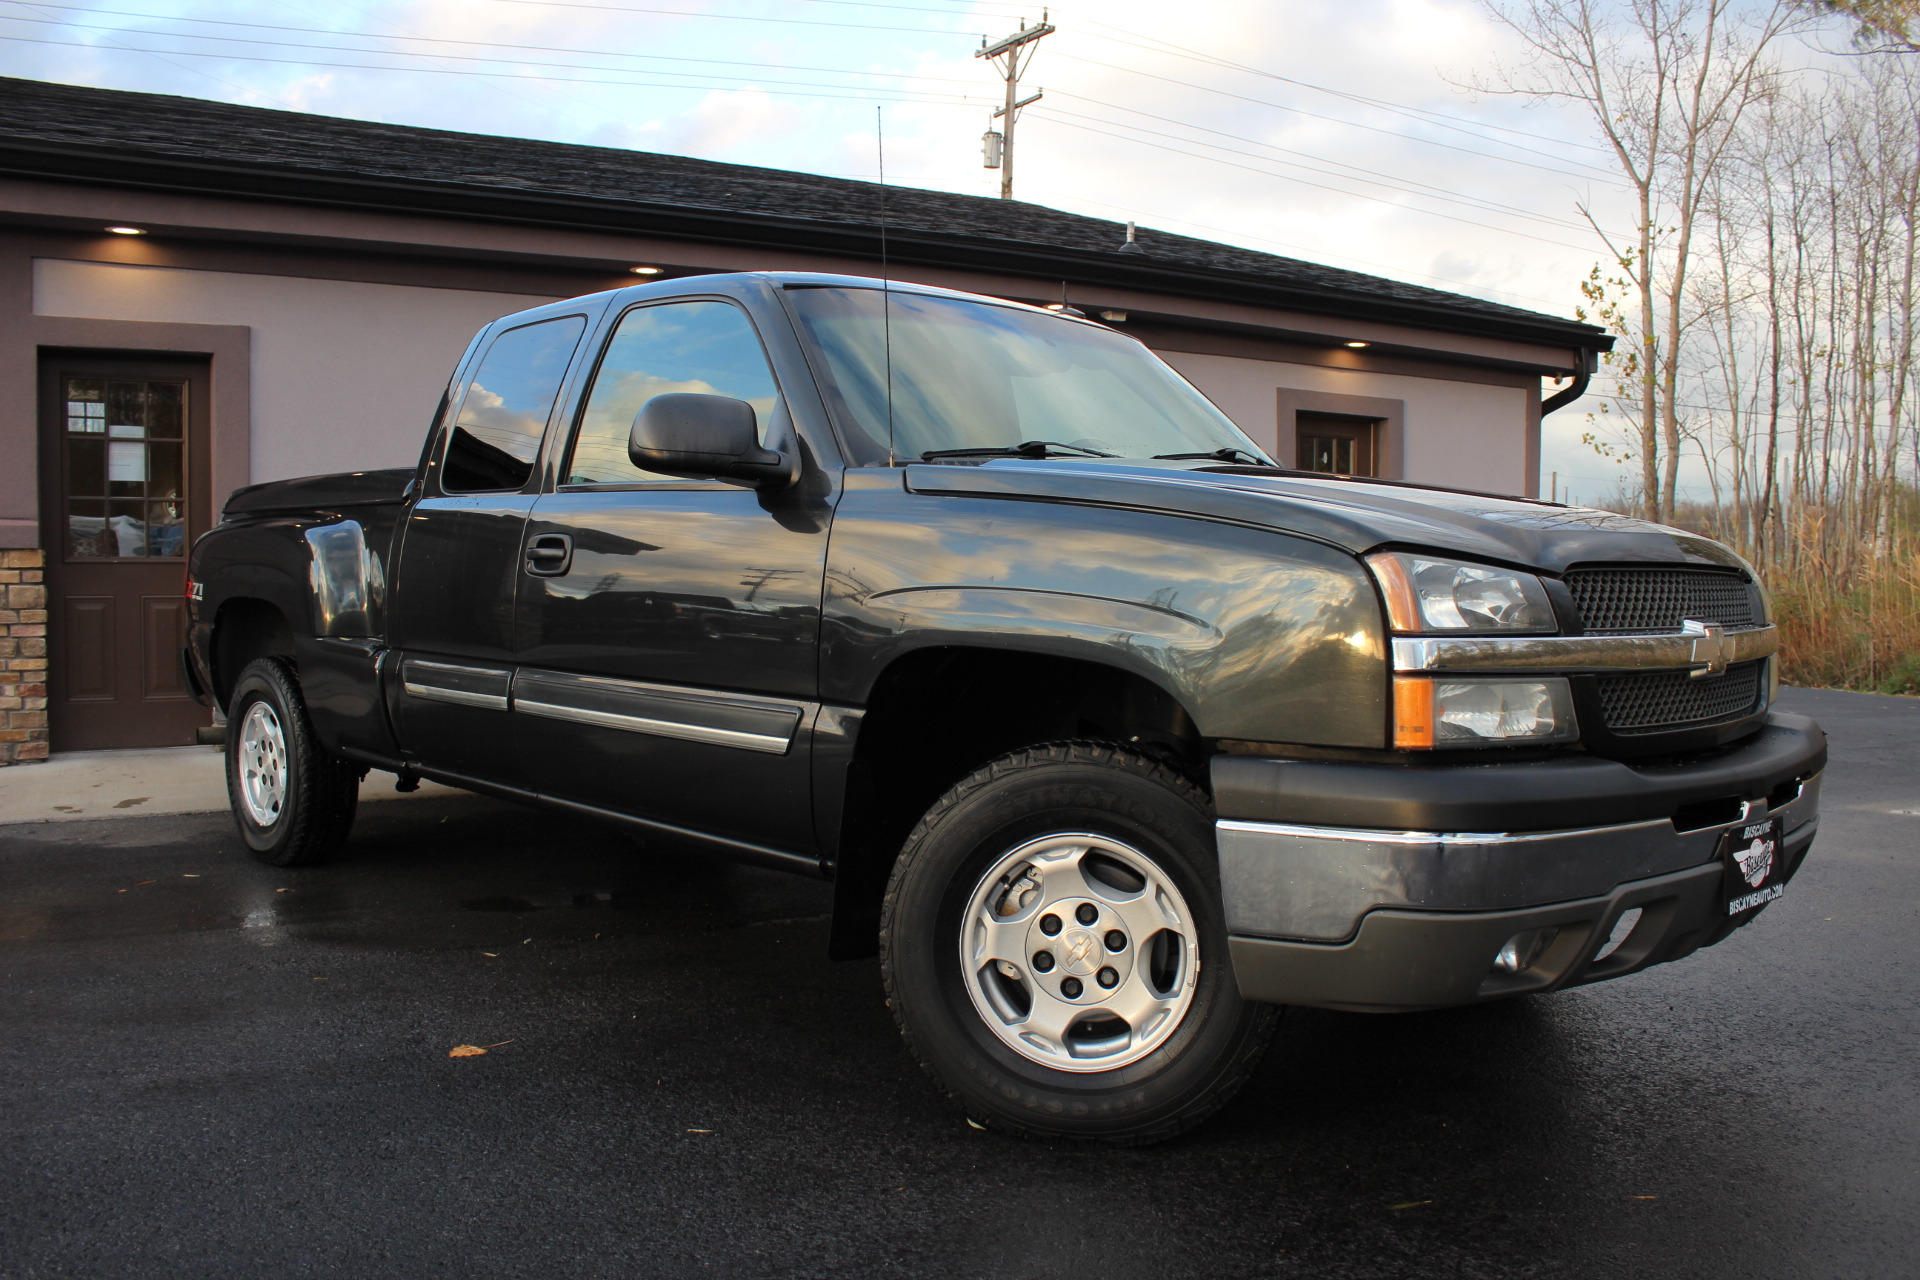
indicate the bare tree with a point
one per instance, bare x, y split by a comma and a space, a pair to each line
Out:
1666, 84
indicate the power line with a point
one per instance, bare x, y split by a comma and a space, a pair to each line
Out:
1313, 254
774, 88
1404, 185
1372, 176
1425, 115
453, 57
373, 35
1313, 115
1431, 213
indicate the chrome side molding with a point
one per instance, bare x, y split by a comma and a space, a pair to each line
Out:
744, 721
1703, 651
484, 687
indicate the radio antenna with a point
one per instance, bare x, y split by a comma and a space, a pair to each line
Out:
886, 287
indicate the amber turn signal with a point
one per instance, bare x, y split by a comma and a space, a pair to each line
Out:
1412, 713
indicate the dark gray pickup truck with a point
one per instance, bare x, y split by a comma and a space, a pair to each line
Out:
1111, 734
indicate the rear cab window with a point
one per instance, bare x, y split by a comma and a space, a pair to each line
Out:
504, 410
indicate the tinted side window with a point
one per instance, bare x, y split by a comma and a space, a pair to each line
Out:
504, 413
708, 348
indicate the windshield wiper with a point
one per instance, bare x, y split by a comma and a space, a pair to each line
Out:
1218, 455
1025, 449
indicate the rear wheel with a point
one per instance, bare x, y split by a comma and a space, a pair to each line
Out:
1055, 950
294, 803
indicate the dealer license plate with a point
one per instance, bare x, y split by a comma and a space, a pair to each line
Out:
1754, 856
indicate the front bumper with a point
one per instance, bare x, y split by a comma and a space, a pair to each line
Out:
1368, 917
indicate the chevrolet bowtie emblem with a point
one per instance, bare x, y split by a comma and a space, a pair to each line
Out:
1711, 648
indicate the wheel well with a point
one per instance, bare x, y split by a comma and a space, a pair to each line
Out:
936, 715
242, 631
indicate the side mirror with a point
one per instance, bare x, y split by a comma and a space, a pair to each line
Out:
702, 435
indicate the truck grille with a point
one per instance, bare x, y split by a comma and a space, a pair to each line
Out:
1667, 700
1654, 600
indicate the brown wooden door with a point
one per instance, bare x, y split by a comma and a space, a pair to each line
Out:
124, 490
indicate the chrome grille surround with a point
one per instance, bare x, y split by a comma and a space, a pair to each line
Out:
1649, 601
1664, 701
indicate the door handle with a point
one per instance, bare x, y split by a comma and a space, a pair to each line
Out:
549, 555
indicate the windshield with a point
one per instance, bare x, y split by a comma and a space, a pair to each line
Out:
970, 375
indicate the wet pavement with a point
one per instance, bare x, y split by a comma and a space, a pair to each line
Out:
210, 1068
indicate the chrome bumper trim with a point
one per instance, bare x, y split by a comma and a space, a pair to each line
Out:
1574, 654
1315, 883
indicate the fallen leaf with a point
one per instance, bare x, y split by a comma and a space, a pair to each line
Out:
465, 1051
189, 875
1643, 1197
283, 891
128, 804
494, 954
525, 941
1411, 1204
119, 890
975, 1124
699, 1131
146, 882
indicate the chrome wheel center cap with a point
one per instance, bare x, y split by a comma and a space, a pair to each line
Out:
1079, 952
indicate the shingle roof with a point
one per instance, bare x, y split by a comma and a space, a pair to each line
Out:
160, 141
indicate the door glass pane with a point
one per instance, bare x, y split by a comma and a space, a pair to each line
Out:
705, 348
166, 419
166, 530
125, 442
87, 535
126, 406
127, 528
164, 477
504, 412
87, 406
86, 467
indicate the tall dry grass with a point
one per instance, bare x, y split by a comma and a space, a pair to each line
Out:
1848, 612
1858, 630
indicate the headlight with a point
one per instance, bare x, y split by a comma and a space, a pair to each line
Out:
1425, 594
1481, 713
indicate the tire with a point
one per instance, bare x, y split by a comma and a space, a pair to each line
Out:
293, 802
1155, 1037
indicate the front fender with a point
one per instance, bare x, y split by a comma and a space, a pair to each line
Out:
1257, 634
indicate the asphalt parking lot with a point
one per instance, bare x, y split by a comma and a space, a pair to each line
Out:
209, 1068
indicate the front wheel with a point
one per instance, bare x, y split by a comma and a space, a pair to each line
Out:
293, 802
1055, 951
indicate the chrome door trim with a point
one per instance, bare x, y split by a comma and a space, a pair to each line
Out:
1565, 654
464, 686
744, 721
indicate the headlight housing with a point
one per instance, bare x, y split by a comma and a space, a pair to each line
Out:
1428, 594
1530, 711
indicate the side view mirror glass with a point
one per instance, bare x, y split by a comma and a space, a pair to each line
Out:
708, 436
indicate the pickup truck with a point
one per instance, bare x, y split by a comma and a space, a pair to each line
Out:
1112, 735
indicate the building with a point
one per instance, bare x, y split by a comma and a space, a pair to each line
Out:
195, 296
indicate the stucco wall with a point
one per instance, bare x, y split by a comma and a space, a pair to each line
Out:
345, 374
1462, 434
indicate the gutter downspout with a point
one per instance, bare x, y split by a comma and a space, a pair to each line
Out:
1574, 390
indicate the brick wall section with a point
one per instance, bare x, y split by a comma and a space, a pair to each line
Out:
23, 655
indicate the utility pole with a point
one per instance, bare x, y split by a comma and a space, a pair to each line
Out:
1010, 57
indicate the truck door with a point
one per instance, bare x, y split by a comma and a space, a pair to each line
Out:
459, 562
670, 625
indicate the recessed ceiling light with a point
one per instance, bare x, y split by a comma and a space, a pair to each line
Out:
646, 271
1358, 345
127, 231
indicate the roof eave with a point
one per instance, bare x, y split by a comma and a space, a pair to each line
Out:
906, 246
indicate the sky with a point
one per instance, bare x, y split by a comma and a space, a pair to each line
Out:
1340, 131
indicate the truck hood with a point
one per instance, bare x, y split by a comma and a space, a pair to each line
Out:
1357, 515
